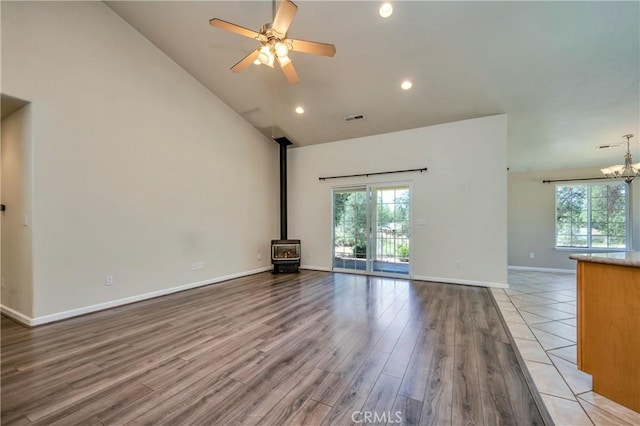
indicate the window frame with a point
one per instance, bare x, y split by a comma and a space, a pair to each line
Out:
589, 247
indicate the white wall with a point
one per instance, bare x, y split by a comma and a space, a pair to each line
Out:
462, 198
17, 289
532, 218
138, 169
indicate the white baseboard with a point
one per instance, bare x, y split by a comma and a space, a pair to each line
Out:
45, 319
316, 268
415, 277
463, 282
125, 301
535, 269
15, 315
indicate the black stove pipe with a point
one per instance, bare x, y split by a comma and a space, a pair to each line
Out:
283, 142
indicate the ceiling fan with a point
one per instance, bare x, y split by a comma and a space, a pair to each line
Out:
274, 43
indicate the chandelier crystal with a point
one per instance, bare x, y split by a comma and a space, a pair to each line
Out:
627, 171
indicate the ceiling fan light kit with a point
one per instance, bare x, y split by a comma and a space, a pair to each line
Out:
385, 10
275, 44
281, 49
627, 171
265, 56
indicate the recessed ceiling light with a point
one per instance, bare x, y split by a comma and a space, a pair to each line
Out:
406, 85
300, 110
385, 10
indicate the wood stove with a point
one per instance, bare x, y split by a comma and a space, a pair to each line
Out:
285, 253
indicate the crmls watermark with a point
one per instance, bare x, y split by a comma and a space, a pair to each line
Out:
375, 417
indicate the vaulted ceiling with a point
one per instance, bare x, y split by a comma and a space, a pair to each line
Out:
566, 73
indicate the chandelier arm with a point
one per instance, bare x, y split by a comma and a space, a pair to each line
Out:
628, 172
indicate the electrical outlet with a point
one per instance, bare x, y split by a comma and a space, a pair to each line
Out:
195, 266
457, 264
259, 257
532, 255
108, 280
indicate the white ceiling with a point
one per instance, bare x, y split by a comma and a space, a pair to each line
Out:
566, 73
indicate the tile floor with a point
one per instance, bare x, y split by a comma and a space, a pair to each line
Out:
540, 311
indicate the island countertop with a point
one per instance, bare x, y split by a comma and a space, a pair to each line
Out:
627, 258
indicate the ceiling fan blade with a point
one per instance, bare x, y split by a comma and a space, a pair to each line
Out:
313, 47
286, 11
219, 23
246, 61
289, 71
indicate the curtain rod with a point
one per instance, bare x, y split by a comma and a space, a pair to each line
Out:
575, 180
371, 174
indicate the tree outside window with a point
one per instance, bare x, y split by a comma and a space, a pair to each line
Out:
592, 216
350, 221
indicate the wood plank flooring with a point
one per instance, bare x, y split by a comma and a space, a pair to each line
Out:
301, 349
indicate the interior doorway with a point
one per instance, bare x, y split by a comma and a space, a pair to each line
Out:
372, 229
15, 196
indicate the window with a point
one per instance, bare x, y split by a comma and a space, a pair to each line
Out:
592, 215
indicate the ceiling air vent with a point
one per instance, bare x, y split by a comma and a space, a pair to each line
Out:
354, 117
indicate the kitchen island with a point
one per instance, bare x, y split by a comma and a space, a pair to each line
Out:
609, 324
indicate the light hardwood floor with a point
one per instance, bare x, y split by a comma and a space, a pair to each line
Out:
308, 348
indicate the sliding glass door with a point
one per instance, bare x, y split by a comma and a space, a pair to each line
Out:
372, 229
391, 225
350, 218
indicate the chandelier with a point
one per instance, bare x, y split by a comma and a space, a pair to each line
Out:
626, 171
